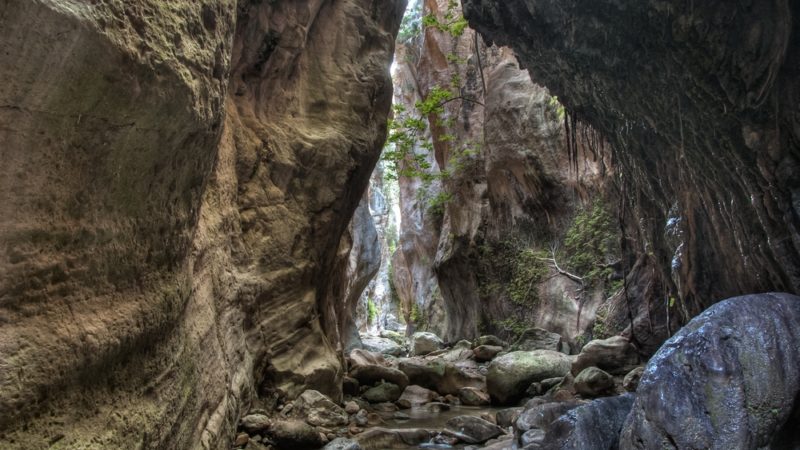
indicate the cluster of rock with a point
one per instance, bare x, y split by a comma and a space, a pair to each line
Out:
393, 374
549, 399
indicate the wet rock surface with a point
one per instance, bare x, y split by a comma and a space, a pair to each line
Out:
593, 426
728, 379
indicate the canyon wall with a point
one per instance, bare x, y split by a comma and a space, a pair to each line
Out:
474, 243
699, 101
176, 179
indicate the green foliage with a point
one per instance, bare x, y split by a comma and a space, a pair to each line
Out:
513, 325
529, 270
453, 21
591, 243
408, 153
437, 204
416, 316
372, 311
411, 26
558, 107
599, 328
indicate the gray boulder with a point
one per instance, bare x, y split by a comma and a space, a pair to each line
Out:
537, 339
616, 355
506, 417
593, 426
470, 396
631, 380
383, 393
727, 380
444, 378
255, 423
486, 352
382, 345
423, 342
489, 339
342, 444
369, 375
511, 374
319, 410
473, 430
593, 382
295, 434
384, 438
415, 395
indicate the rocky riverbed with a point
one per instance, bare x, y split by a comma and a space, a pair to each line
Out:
421, 393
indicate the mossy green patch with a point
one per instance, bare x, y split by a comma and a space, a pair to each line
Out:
591, 242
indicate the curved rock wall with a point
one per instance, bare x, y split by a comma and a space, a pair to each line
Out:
700, 104
176, 180
517, 189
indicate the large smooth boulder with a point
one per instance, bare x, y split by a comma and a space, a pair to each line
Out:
382, 345
423, 342
319, 410
729, 379
422, 372
593, 382
255, 423
473, 430
444, 378
592, 426
361, 357
370, 375
415, 395
616, 355
538, 339
511, 374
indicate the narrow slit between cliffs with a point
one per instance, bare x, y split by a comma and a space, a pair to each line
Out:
484, 276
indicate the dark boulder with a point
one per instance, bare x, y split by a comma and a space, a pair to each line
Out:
369, 375
593, 426
473, 430
295, 434
727, 380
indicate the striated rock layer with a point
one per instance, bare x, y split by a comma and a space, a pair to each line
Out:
700, 104
176, 178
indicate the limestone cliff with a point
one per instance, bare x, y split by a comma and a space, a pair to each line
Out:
472, 243
176, 179
699, 101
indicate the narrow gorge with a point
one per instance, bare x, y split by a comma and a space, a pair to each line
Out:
399, 224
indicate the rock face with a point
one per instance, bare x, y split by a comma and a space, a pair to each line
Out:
510, 374
699, 103
468, 239
728, 379
538, 339
176, 179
